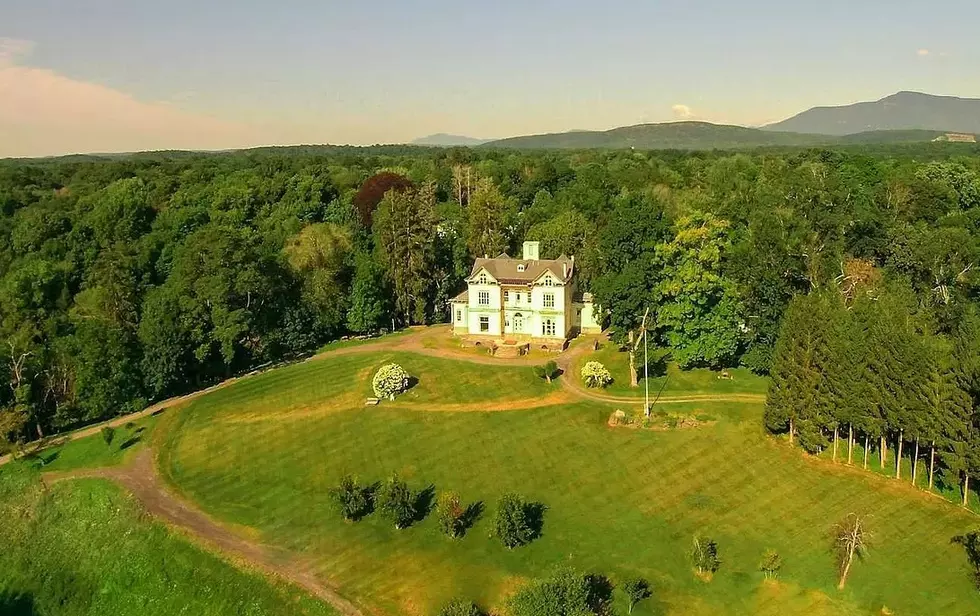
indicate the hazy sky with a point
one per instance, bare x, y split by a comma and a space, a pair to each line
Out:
118, 75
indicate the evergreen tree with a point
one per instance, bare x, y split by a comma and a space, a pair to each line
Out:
368, 310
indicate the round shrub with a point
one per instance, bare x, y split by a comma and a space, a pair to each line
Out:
390, 381
595, 374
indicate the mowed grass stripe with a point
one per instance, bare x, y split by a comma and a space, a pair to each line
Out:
619, 501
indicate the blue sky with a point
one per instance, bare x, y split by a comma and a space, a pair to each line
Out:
220, 73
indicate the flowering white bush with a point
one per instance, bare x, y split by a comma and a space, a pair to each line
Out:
390, 381
595, 374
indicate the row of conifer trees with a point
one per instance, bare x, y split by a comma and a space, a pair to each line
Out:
875, 370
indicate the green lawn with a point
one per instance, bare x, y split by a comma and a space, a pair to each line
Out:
667, 378
93, 451
82, 548
265, 452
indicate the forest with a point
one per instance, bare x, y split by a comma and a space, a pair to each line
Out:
848, 274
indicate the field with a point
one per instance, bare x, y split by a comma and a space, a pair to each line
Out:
264, 453
84, 548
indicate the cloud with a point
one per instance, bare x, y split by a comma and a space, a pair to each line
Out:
923, 52
43, 112
682, 112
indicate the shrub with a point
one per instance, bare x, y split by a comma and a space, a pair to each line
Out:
548, 372
396, 502
565, 592
771, 563
390, 381
513, 524
459, 607
704, 556
971, 543
637, 589
451, 514
108, 433
352, 499
595, 375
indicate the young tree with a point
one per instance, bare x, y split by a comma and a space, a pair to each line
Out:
396, 502
596, 375
704, 556
547, 371
637, 589
389, 381
108, 433
565, 593
351, 499
512, 523
851, 538
460, 607
451, 514
771, 563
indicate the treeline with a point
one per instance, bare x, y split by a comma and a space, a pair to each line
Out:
131, 279
863, 364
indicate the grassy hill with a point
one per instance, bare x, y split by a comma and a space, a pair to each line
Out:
84, 548
901, 111
264, 453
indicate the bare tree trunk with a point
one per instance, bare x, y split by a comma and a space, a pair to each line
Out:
915, 460
867, 445
790, 430
898, 457
883, 451
932, 462
40, 432
834, 456
966, 487
847, 568
850, 444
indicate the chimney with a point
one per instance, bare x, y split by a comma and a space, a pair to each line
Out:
530, 252
564, 270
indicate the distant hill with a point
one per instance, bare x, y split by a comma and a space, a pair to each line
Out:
672, 135
901, 111
447, 141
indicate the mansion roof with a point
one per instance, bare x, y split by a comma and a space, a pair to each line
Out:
510, 271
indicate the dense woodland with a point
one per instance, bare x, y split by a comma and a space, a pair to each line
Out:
849, 274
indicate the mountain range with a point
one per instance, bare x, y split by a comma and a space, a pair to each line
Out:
905, 117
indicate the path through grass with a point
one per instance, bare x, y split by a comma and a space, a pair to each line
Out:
265, 452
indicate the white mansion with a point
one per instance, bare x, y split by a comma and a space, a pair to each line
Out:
521, 300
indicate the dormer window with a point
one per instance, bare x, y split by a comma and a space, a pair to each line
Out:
548, 282
482, 279
520, 267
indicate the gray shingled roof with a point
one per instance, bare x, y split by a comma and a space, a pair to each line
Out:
463, 297
504, 269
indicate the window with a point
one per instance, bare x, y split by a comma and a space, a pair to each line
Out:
518, 298
506, 296
484, 324
548, 282
520, 267
484, 298
548, 327
459, 315
549, 300
483, 279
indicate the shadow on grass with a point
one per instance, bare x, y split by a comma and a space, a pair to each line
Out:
425, 501
17, 604
600, 591
535, 519
473, 513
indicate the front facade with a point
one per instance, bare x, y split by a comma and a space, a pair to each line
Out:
526, 299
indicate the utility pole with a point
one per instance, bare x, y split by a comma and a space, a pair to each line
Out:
646, 376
